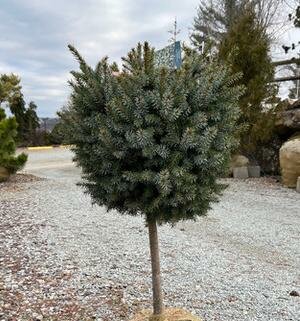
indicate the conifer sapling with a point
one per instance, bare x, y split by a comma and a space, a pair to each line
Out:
9, 163
152, 141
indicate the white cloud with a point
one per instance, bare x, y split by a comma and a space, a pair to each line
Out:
35, 35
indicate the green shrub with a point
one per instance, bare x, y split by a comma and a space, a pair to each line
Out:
8, 133
152, 141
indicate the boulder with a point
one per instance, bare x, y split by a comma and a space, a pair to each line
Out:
267, 155
288, 121
289, 155
4, 174
238, 161
171, 314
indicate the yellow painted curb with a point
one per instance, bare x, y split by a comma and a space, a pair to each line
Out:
39, 147
47, 147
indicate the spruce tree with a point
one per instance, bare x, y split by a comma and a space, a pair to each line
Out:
152, 141
246, 48
9, 164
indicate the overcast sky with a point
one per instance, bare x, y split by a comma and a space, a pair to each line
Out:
35, 34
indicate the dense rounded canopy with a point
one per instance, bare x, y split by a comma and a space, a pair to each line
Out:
151, 140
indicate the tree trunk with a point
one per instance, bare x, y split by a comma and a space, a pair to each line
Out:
158, 307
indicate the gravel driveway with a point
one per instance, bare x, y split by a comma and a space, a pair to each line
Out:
63, 259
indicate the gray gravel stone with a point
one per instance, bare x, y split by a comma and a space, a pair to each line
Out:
64, 259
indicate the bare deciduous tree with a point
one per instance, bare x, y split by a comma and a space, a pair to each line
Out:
215, 17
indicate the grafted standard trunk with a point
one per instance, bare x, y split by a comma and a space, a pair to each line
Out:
158, 307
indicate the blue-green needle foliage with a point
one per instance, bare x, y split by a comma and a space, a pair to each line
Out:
152, 141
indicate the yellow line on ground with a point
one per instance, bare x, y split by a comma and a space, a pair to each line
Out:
47, 147
39, 147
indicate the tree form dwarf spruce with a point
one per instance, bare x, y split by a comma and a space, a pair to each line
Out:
152, 141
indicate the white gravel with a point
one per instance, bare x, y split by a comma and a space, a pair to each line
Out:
63, 259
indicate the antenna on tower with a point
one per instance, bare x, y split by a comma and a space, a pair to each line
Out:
174, 32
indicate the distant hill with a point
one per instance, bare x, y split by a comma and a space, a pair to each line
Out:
48, 124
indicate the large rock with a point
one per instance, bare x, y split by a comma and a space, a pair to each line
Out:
171, 314
238, 161
4, 174
288, 121
290, 161
267, 155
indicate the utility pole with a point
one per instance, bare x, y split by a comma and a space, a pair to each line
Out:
174, 32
